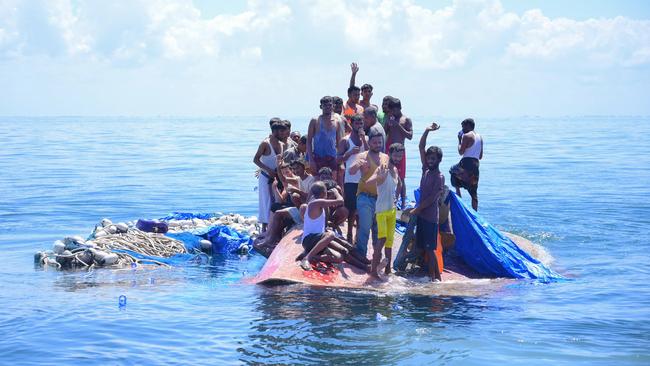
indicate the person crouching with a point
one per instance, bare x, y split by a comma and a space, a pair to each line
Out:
318, 244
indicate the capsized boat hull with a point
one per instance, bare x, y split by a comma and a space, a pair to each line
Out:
281, 266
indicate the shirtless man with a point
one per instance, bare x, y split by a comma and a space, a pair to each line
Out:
321, 245
466, 173
398, 129
323, 136
366, 89
352, 106
266, 159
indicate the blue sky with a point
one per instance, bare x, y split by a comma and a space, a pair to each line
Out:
452, 58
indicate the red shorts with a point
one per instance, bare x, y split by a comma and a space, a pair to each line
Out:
328, 161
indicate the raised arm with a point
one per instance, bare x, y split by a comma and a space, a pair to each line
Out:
465, 142
355, 69
423, 141
361, 164
329, 202
379, 176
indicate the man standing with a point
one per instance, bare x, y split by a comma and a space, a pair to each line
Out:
349, 150
368, 162
352, 106
398, 129
366, 89
466, 173
266, 159
427, 210
370, 124
323, 136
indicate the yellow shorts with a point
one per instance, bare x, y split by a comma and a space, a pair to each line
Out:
386, 226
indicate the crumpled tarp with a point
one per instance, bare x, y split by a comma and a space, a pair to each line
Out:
224, 239
488, 251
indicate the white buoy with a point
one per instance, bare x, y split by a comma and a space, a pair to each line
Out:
106, 222
122, 227
206, 244
99, 233
58, 247
111, 229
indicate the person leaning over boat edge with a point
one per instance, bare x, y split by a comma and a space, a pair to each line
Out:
427, 210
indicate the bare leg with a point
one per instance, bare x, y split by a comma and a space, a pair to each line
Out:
360, 257
376, 256
389, 256
350, 258
322, 244
432, 264
351, 220
475, 202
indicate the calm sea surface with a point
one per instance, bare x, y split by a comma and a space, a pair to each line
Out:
577, 186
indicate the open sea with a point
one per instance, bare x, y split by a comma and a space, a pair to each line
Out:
578, 186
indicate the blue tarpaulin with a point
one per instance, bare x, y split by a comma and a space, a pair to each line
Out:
224, 239
189, 216
488, 251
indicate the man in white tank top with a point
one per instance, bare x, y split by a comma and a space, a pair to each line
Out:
348, 151
466, 173
321, 245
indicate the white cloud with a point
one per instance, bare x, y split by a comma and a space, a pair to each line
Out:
448, 37
126, 31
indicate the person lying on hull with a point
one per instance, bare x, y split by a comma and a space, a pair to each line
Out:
318, 244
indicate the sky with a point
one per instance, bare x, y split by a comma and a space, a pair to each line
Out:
486, 58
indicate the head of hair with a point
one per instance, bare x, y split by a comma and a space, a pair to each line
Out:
279, 126
330, 184
317, 189
469, 122
325, 99
337, 100
374, 134
274, 120
355, 118
287, 123
387, 98
366, 87
353, 88
395, 147
303, 139
394, 103
325, 170
371, 110
434, 150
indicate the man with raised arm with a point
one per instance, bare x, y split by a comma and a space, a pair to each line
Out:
323, 137
427, 210
466, 173
366, 89
398, 129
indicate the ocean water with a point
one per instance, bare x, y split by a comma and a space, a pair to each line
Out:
577, 186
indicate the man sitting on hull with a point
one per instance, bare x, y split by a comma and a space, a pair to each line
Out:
321, 245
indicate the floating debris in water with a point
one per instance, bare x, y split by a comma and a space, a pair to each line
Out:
380, 318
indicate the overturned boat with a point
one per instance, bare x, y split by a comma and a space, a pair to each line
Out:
479, 251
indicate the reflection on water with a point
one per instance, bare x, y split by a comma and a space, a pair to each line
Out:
313, 325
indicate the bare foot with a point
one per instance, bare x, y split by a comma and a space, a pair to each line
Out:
305, 265
387, 271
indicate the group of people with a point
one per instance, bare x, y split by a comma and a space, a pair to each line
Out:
351, 166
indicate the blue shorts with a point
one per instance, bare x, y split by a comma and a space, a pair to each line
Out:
426, 234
